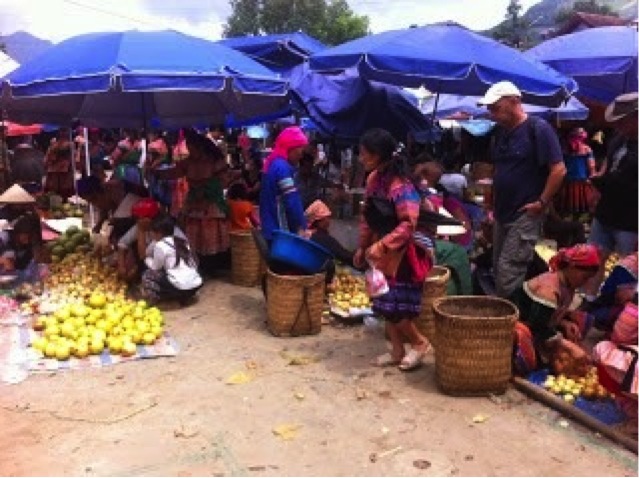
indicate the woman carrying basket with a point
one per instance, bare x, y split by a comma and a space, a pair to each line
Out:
388, 242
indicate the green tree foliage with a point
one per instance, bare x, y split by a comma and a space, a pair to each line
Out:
515, 30
584, 6
330, 21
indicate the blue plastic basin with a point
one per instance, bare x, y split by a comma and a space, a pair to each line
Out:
299, 252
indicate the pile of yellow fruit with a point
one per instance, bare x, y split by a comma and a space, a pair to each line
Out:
103, 321
587, 387
74, 280
348, 291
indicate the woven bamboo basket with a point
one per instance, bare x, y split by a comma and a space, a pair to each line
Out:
246, 263
474, 344
294, 304
435, 286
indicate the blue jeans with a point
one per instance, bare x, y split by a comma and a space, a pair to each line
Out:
612, 240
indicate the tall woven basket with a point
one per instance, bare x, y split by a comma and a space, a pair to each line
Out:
294, 304
435, 286
246, 263
474, 344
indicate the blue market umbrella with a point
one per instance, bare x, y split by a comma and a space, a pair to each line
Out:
445, 58
279, 52
603, 60
136, 79
572, 110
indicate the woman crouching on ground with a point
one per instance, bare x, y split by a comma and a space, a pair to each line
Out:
387, 242
172, 268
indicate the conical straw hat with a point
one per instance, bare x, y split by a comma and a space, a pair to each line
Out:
16, 195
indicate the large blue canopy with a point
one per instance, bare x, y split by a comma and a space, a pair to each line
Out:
445, 58
344, 106
450, 104
603, 60
279, 52
128, 78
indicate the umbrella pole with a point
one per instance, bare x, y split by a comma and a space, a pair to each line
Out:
73, 169
434, 115
4, 181
87, 165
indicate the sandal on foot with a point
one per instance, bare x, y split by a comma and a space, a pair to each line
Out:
411, 361
385, 360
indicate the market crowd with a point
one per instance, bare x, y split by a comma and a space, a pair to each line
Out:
171, 206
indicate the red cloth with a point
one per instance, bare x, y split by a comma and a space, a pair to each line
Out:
289, 138
581, 255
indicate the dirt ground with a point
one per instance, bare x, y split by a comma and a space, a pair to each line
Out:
178, 416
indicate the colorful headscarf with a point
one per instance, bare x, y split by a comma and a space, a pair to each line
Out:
582, 255
289, 138
146, 208
577, 138
316, 211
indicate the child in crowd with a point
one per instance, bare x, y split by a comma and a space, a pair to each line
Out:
242, 215
172, 267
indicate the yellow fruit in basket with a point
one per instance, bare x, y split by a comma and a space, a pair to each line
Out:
39, 344
49, 350
127, 322
142, 304
128, 349
50, 321
63, 314
67, 329
96, 347
569, 398
142, 326
62, 352
136, 336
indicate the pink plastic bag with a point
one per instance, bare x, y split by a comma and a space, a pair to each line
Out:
376, 284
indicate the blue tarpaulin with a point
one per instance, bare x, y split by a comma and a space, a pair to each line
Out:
445, 58
344, 106
603, 60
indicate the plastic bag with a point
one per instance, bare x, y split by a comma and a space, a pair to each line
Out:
376, 284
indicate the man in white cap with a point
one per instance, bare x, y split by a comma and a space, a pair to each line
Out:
614, 227
529, 170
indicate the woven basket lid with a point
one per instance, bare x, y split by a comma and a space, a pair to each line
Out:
16, 195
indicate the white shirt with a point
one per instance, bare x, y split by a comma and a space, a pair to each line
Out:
162, 255
454, 183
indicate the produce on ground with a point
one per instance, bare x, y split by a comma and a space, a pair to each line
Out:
59, 209
348, 291
84, 310
570, 389
73, 240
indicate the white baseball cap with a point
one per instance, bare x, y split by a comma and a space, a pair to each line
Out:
498, 91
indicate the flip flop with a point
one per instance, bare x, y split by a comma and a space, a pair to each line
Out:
412, 360
385, 360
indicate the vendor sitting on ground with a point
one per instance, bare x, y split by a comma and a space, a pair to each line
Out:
19, 247
617, 291
549, 326
133, 245
318, 216
616, 360
171, 265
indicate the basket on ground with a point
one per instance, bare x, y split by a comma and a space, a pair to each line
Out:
474, 344
246, 262
294, 304
435, 286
